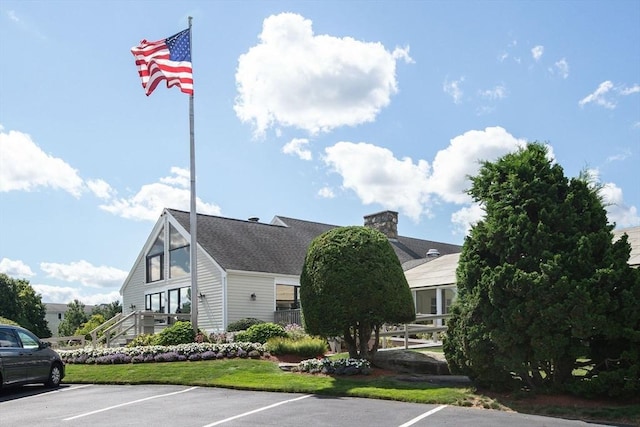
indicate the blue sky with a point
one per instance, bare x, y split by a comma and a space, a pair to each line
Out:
324, 111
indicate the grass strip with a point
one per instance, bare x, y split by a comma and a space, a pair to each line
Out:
263, 375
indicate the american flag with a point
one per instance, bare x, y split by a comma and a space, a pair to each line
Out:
168, 59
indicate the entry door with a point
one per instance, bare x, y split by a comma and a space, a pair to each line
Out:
36, 362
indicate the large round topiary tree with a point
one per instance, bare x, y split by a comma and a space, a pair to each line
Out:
351, 284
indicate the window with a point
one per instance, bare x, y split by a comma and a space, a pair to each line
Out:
8, 339
59, 316
154, 302
287, 297
179, 259
28, 340
155, 259
180, 300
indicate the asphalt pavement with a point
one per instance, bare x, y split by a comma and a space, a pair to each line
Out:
185, 406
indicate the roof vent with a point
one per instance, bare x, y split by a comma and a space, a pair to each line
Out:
433, 253
254, 219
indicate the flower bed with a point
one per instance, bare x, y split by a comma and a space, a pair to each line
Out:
335, 367
160, 353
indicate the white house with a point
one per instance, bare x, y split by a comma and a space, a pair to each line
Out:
246, 268
433, 280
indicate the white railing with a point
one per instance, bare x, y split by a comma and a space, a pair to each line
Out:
62, 342
287, 317
140, 322
425, 324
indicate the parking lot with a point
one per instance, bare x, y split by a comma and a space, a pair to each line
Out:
174, 405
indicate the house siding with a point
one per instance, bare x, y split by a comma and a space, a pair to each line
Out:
240, 286
133, 294
210, 284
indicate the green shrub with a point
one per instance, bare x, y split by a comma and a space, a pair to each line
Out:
143, 340
243, 324
295, 331
178, 333
5, 321
88, 326
305, 347
261, 332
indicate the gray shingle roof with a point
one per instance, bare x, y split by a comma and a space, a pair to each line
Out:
278, 247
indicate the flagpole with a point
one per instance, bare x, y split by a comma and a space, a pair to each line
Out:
193, 221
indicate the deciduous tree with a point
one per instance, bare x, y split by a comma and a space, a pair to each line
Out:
20, 303
73, 319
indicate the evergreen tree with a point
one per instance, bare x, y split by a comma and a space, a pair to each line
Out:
539, 278
351, 284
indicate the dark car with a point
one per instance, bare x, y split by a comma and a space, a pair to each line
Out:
24, 359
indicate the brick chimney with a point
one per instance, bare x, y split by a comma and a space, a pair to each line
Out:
386, 222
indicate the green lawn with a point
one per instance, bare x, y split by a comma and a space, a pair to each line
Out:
267, 376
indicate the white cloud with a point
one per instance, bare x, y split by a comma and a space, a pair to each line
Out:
100, 188
562, 68
296, 146
294, 78
326, 193
85, 273
630, 90
617, 210
147, 204
619, 157
453, 165
453, 89
537, 52
15, 268
25, 167
377, 176
65, 294
599, 96
466, 217
11, 14
497, 92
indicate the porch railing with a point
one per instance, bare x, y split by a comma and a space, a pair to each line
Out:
415, 334
287, 317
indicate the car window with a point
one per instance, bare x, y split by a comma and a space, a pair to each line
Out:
28, 341
8, 339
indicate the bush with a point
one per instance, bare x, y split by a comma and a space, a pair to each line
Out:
295, 331
143, 340
335, 367
178, 333
261, 332
243, 324
305, 347
5, 321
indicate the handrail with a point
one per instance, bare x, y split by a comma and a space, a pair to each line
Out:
414, 328
94, 332
118, 324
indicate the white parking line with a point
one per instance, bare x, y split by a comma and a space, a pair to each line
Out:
235, 417
127, 403
425, 415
